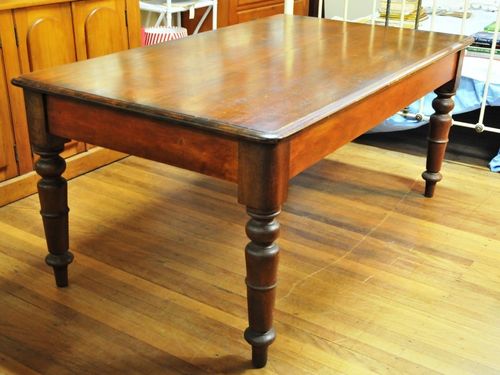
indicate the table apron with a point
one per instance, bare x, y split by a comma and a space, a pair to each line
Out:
139, 135
321, 139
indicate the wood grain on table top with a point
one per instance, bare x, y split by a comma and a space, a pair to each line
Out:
265, 79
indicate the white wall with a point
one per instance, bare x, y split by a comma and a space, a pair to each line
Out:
356, 9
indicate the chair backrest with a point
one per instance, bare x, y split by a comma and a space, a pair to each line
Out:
165, 9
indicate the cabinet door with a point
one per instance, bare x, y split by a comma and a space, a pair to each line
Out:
100, 27
8, 166
45, 36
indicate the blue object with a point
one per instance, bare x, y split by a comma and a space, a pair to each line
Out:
495, 163
468, 98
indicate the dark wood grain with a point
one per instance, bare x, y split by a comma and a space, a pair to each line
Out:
262, 187
439, 127
261, 256
52, 188
173, 144
314, 143
262, 80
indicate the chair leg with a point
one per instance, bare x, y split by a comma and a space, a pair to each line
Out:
169, 19
202, 20
160, 19
214, 16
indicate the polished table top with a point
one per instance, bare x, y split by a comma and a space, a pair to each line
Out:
263, 80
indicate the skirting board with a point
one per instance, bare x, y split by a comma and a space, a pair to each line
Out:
22, 186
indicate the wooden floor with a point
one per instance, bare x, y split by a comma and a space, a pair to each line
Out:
374, 278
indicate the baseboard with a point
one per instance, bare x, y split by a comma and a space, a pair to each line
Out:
25, 185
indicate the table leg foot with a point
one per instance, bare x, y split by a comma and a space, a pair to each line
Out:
53, 194
259, 356
261, 255
260, 343
431, 179
439, 128
60, 265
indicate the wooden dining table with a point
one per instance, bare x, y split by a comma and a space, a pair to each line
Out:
255, 103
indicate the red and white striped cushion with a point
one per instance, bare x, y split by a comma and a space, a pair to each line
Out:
154, 35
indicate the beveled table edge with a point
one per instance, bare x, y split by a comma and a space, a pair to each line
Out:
234, 130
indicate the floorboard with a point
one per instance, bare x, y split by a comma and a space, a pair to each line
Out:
374, 278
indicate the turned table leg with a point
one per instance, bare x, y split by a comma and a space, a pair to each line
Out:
53, 194
261, 256
262, 187
439, 128
52, 187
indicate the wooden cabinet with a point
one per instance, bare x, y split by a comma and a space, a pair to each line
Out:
38, 34
247, 10
45, 39
231, 12
44, 36
100, 27
8, 166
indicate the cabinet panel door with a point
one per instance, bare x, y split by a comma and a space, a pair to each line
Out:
257, 3
8, 166
45, 36
100, 27
46, 39
12, 68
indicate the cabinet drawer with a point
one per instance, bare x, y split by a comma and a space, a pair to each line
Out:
257, 3
251, 14
267, 10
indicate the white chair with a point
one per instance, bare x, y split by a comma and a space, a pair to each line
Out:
166, 8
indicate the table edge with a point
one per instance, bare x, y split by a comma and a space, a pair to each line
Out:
234, 130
